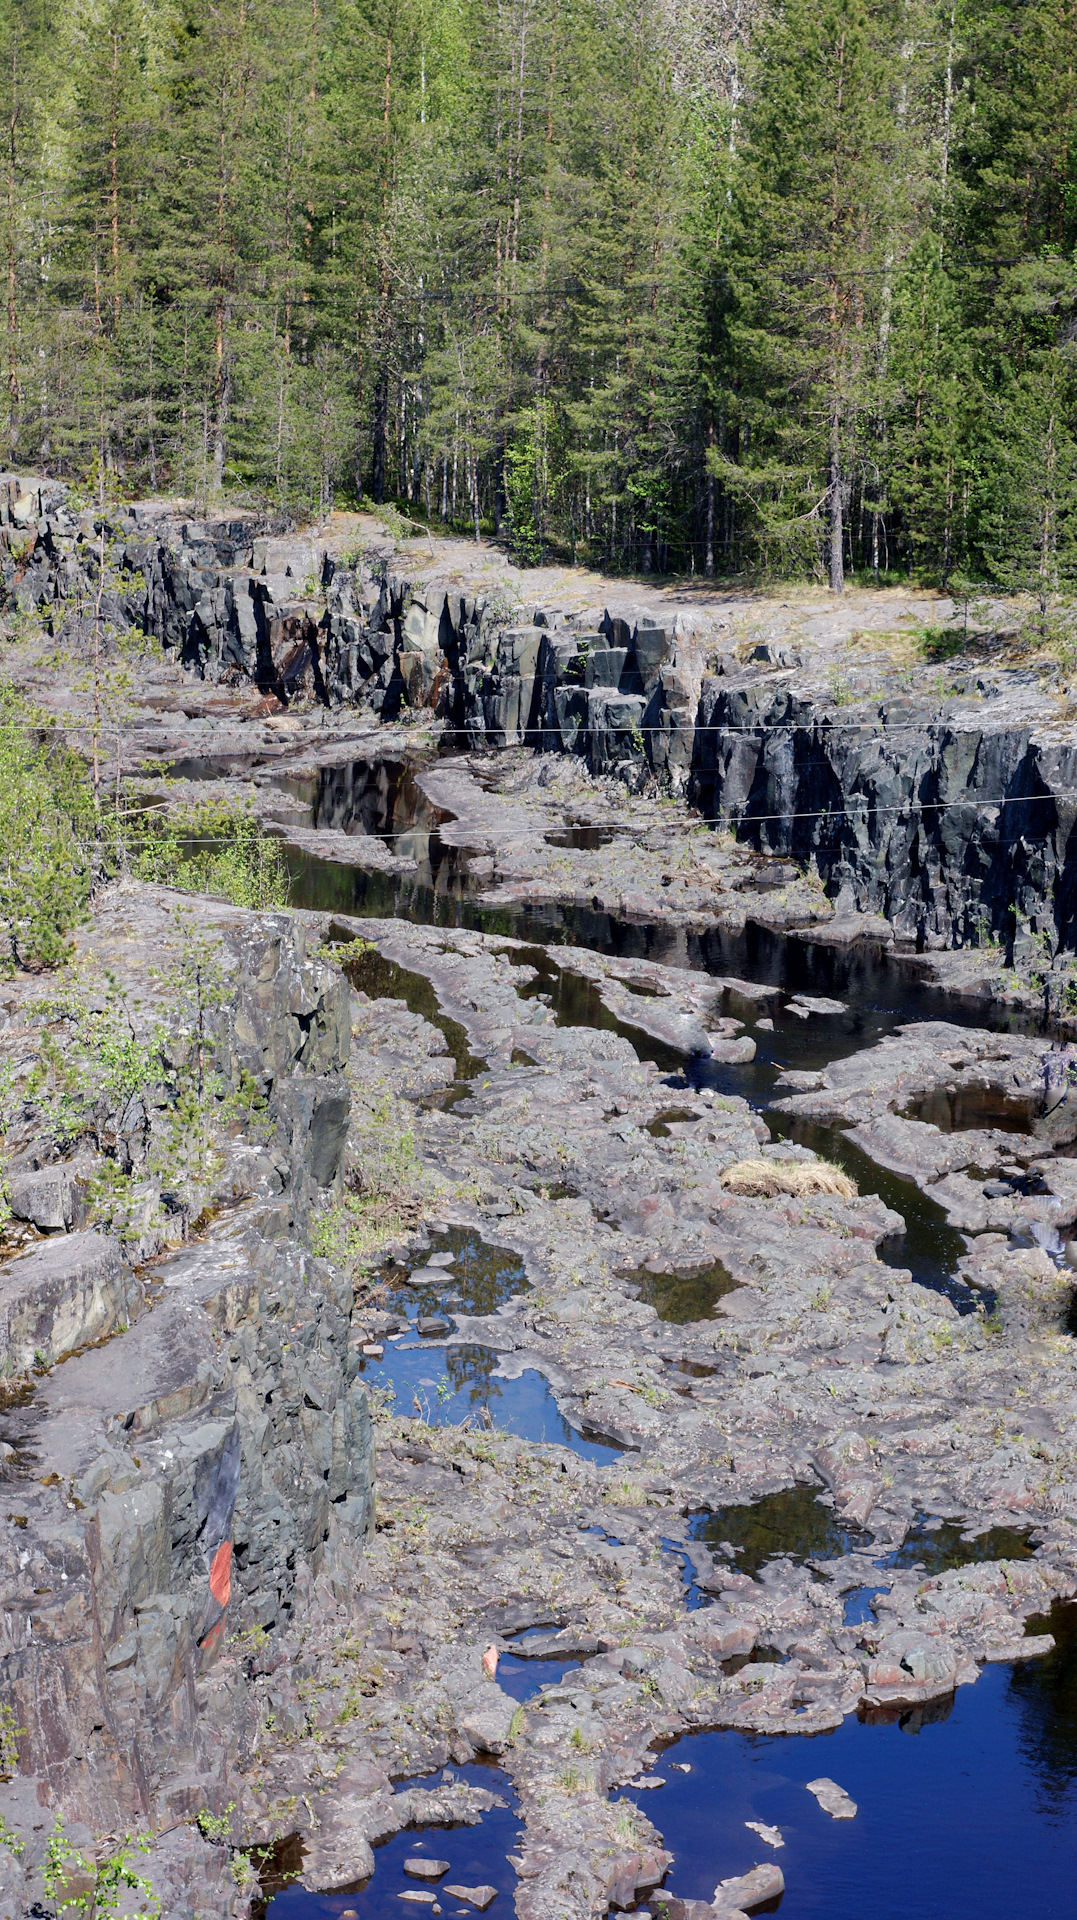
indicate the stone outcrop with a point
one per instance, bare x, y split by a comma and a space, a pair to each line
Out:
951, 813
200, 1464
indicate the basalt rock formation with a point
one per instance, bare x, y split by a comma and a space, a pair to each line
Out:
187, 1453
950, 814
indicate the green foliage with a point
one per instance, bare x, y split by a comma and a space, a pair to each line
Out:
49, 834
382, 1196
10, 1735
216, 1826
10, 1839
97, 1049
759, 286
939, 643
91, 1048
214, 847
527, 484
242, 1869
99, 1888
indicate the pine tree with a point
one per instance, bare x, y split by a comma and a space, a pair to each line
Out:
806, 267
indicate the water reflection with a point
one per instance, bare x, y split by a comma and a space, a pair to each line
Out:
370, 973
793, 1522
930, 1247
938, 1546
448, 1385
966, 1108
681, 1298
975, 1818
480, 1277
473, 1855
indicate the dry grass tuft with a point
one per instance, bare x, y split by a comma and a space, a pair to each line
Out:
765, 1179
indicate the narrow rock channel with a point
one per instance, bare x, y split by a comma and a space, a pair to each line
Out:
619, 1349
526, 1010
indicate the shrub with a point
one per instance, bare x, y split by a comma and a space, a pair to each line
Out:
52, 838
214, 847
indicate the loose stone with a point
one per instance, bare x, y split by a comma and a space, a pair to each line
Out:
832, 1798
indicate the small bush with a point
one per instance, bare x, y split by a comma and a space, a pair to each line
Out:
214, 847
51, 838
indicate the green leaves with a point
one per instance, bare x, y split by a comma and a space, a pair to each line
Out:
48, 838
699, 287
99, 1886
210, 846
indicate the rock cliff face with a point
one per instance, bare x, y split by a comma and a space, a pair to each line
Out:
952, 814
194, 1451
955, 823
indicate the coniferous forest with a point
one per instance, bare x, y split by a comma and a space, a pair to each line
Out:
710, 286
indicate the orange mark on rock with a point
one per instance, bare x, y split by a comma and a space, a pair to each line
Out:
220, 1574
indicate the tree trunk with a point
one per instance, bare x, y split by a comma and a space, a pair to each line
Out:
708, 563
381, 428
834, 505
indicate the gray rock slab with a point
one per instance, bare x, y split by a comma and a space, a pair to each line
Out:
832, 1798
60, 1297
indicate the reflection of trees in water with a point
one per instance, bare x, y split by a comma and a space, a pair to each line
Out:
1044, 1695
941, 1549
792, 1522
481, 1277
484, 1276
680, 1298
471, 1367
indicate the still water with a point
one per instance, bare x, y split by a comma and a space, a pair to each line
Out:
966, 1812
967, 1808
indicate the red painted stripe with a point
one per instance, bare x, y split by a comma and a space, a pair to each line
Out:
220, 1574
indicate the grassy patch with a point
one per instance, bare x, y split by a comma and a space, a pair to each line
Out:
766, 1179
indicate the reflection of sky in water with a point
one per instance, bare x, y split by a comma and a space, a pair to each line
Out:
476, 1856
523, 1678
973, 1819
451, 1383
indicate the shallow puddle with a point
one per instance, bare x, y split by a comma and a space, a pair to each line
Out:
372, 796
693, 1596
973, 1819
939, 1546
381, 979
580, 836
479, 1279
659, 1127
974, 1107
474, 1856
576, 1001
793, 1522
681, 1298
446, 1385
523, 1678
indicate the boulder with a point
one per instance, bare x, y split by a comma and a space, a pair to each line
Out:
61, 1297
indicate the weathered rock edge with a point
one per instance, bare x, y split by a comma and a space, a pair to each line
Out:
950, 812
202, 1469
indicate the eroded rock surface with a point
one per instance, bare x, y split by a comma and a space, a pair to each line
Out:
205, 1611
